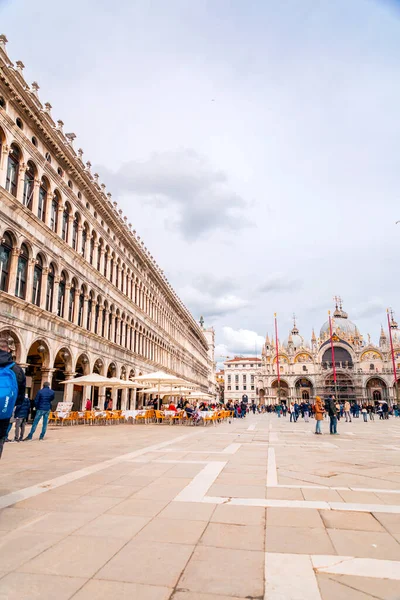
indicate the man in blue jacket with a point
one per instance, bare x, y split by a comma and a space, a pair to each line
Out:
43, 401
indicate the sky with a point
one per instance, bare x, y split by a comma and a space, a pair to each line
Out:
254, 145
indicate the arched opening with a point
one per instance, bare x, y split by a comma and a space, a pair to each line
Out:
37, 280
50, 288
65, 222
344, 388
98, 368
22, 272
81, 306
71, 301
42, 203
304, 389
75, 229
85, 235
37, 371
61, 294
29, 185
280, 391
343, 359
111, 372
89, 311
91, 250
62, 365
14, 159
82, 368
377, 390
5, 261
55, 203
13, 342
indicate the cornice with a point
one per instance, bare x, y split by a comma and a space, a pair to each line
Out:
28, 101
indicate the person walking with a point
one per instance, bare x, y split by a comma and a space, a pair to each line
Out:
43, 401
319, 414
364, 413
12, 388
306, 412
347, 411
332, 411
21, 415
88, 405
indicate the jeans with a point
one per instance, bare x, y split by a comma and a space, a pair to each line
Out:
365, 417
348, 416
306, 416
38, 416
19, 428
318, 427
3, 432
333, 425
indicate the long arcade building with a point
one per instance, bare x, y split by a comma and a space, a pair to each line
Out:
79, 291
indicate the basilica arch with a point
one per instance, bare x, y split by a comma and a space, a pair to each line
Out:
304, 389
280, 390
376, 389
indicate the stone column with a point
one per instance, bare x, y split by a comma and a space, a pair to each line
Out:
60, 211
112, 333
134, 399
70, 226
12, 280
29, 279
95, 251
107, 271
68, 388
100, 321
35, 198
21, 182
47, 376
102, 253
117, 275
85, 311
76, 307
66, 301
114, 396
86, 255
43, 291
129, 287
124, 399
93, 320
79, 239
54, 308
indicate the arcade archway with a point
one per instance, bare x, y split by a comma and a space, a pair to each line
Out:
38, 369
376, 390
304, 389
344, 388
280, 391
62, 365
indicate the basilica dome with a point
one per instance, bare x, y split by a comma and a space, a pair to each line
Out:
341, 324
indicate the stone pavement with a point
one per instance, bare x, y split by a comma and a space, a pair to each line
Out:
257, 509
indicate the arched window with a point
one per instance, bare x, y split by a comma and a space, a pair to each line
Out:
91, 252
105, 261
110, 325
71, 303
5, 261
116, 330
22, 270
96, 316
84, 239
37, 281
103, 325
61, 294
121, 333
42, 200
14, 158
54, 212
89, 312
29, 184
99, 249
65, 223
50, 288
117, 275
81, 306
75, 226
111, 268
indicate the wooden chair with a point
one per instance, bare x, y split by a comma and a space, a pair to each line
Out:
161, 418
54, 418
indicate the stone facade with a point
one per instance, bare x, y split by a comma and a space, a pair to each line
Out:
364, 370
79, 291
241, 375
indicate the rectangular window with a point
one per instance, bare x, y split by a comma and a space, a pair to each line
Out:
229, 387
252, 387
252, 378
229, 378
236, 378
245, 387
251, 366
244, 378
237, 388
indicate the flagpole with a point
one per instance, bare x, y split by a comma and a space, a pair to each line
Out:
277, 357
333, 354
393, 358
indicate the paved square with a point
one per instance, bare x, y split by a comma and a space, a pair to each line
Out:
259, 508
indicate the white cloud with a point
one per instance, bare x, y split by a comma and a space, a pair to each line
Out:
242, 341
204, 302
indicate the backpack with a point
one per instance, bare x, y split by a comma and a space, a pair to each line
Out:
8, 391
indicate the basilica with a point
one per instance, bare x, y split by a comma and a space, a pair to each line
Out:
364, 371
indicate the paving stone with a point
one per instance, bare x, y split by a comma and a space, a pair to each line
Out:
194, 511
298, 540
29, 586
241, 537
239, 515
356, 521
171, 530
293, 517
364, 544
104, 590
224, 571
113, 526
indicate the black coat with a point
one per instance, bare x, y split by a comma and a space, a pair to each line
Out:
6, 359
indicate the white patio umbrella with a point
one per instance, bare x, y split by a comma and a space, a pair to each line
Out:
160, 378
91, 379
122, 383
180, 391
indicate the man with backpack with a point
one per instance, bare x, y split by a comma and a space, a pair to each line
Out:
12, 389
43, 401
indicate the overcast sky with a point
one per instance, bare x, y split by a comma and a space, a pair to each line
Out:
253, 144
